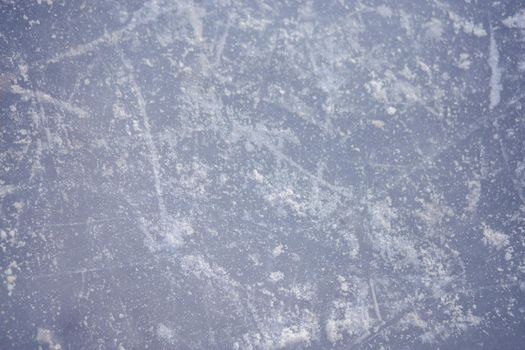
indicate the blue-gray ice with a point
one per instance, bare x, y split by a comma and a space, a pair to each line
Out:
262, 174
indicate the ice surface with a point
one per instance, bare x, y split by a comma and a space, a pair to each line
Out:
262, 174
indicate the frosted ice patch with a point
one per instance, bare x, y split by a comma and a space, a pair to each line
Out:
464, 61
434, 29
46, 337
466, 25
164, 332
293, 336
383, 214
10, 277
385, 11
516, 21
473, 195
257, 176
174, 231
494, 239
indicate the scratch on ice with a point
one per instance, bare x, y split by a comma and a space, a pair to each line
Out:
46, 98
147, 14
495, 77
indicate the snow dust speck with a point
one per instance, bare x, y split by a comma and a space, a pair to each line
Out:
278, 250
276, 276
378, 123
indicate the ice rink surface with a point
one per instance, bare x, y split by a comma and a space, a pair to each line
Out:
262, 174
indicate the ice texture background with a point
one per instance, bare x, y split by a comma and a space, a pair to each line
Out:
262, 174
